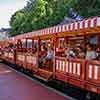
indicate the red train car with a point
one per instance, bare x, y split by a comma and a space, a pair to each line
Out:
30, 51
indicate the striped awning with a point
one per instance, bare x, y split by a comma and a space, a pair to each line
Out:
75, 26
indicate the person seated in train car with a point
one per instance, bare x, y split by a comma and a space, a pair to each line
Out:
42, 52
50, 53
60, 49
66, 51
42, 55
48, 60
69, 52
80, 52
90, 52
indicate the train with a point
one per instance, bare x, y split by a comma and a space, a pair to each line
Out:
26, 49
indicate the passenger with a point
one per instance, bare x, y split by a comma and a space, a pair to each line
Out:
48, 59
42, 55
50, 53
80, 52
90, 53
69, 52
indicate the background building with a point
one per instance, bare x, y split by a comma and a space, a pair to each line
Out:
4, 33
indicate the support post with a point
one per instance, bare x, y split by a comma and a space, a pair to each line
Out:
54, 60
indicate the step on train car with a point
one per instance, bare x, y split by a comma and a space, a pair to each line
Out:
68, 53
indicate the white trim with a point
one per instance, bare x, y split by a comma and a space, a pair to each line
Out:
78, 68
70, 67
86, 23
90, 71
66, 66
96, 72
74, 68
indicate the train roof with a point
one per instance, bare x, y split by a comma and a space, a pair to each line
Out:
67, 29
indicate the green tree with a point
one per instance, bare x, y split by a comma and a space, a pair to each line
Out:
87, 8
39, 14
17, 22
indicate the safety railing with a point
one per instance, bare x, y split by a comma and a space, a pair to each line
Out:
20, 59
93, 71
31, 61
70, 67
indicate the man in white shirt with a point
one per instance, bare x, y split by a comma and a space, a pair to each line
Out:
90, 54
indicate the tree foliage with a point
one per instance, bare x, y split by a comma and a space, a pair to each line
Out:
87, 8
38, 14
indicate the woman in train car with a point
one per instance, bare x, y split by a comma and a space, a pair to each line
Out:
42, 55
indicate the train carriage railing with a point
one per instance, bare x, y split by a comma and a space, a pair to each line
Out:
60, 69
11, 57
20, 59
31, 62
70, 70
4, 55
8, 56
78, 72
93, 76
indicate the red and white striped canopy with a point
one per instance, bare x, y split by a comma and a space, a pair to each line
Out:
84, 24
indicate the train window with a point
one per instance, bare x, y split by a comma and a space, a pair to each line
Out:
29, 43
93, 40
36, 44
76, 41
23, 43
61, 43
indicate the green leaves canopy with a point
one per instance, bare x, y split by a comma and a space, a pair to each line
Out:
38, 14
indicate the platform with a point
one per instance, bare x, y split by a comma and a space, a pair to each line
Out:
14, 86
